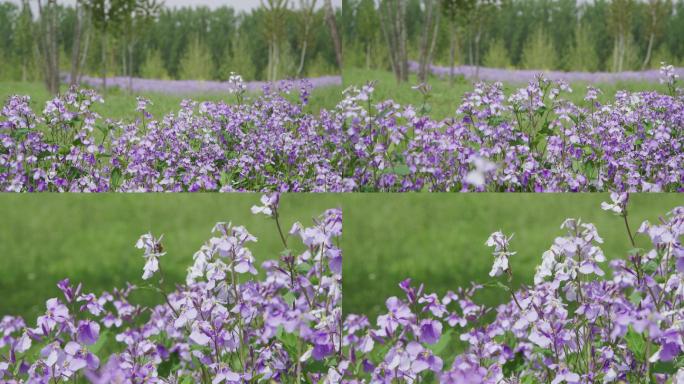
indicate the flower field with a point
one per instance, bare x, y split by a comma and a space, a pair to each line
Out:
532, 140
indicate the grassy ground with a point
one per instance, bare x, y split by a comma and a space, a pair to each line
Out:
446, 98
119, 104
438, 239
90, 238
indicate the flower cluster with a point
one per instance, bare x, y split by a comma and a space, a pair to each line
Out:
222, 325
531, 140
575, 325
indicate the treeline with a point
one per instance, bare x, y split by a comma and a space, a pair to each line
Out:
597, 35
143, 38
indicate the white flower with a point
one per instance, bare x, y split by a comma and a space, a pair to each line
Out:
617, 204
477, 177
153, 250
501, 254
269, 204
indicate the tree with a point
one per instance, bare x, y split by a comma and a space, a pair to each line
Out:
658, 10
367, 27
428, 38
306, 13
538, 51
24, 39
497, 56
583, 54
49, 45
393, 23
196, 64
106, 14
334, 31
79, 50
620, 20
136, 16
275, 16
453, 9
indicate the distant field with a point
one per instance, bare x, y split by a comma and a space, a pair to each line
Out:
446, 98
90, 238
119, 104
438, 239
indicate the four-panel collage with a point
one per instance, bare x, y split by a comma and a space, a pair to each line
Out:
342, 191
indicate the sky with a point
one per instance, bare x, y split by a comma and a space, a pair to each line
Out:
240, 5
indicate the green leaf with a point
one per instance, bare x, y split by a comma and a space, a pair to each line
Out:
401, 170
636, 344
668, 367
115, 179
443, 342
514, 366
95, 348
225, 179
635, 298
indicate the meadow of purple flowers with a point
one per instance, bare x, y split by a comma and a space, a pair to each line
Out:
532, 140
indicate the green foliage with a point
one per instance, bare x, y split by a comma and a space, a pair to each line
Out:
238, 60
153, 67
583, 54
196, 64
517, 24
662, 54
538, 52
497, 55
631, 59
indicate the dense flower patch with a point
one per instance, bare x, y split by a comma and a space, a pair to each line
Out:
532, 140
578, 323
225, 324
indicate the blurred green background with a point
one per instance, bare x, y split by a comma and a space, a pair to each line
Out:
90, 238
438, 239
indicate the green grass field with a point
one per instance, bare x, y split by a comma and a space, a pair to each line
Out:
90, 238
438, 239
446, 98
119, 104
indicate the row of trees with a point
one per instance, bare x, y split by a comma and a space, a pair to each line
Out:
607, 35
281, 38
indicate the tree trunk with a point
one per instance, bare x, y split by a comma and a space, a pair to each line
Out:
86, 46
435, 31
478, 35
130, 67
104, 62
424, 42
401, 21
334, 32
390, 38
300, 69
452, 50
49, 46
647, 60
76, 48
